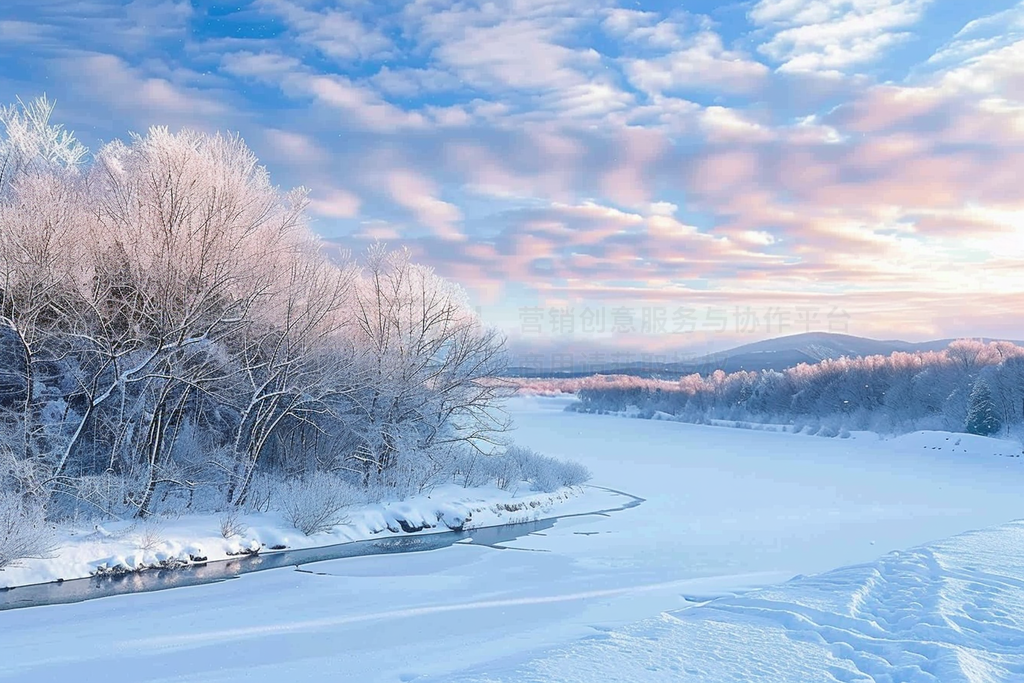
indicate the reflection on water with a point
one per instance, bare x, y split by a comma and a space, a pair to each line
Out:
79, 590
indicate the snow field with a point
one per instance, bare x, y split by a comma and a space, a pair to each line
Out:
948, 612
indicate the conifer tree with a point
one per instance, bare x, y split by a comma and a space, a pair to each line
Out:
982, 418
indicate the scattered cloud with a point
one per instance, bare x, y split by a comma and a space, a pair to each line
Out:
334, 33
981, 36
335, 204
833, 35
842, 152
699, 63
155, 100
418, 194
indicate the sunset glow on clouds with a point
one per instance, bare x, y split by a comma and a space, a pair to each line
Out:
854, 156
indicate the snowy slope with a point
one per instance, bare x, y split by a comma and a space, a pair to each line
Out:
948, 612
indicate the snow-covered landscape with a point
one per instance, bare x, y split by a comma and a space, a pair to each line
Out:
755, 556
503, 341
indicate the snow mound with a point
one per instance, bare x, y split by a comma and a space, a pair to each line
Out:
947, 612
950, 442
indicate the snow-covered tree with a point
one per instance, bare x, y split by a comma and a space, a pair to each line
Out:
982, 418
900, 392
172, 331
31, 145
425, 360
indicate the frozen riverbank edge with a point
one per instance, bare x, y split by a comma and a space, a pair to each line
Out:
136, 546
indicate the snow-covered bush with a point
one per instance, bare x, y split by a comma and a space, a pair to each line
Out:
406, 476
16, 474
24, 533
545, 473
231, 523
504, 470
261, 493
149, 535
572, 473
105, 495
472, 469
318, 502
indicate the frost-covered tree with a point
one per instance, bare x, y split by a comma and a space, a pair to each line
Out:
173, 336
1006, 381
43, 272
425, 361
31, 145
982, 418
900, 392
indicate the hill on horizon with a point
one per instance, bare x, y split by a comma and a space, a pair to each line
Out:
777, 353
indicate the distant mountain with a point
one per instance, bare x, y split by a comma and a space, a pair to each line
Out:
822, 345
771, 354
813, 347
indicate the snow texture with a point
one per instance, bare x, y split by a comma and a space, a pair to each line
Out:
943, 613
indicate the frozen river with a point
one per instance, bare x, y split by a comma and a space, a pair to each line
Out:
725, 510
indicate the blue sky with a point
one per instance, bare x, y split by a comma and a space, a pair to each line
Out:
852, 165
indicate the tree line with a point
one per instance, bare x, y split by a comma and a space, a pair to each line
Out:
970, 386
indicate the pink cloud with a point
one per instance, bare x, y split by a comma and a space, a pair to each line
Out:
296, 147
336, 204
629, 181
417, 193
884, 107
724, 171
